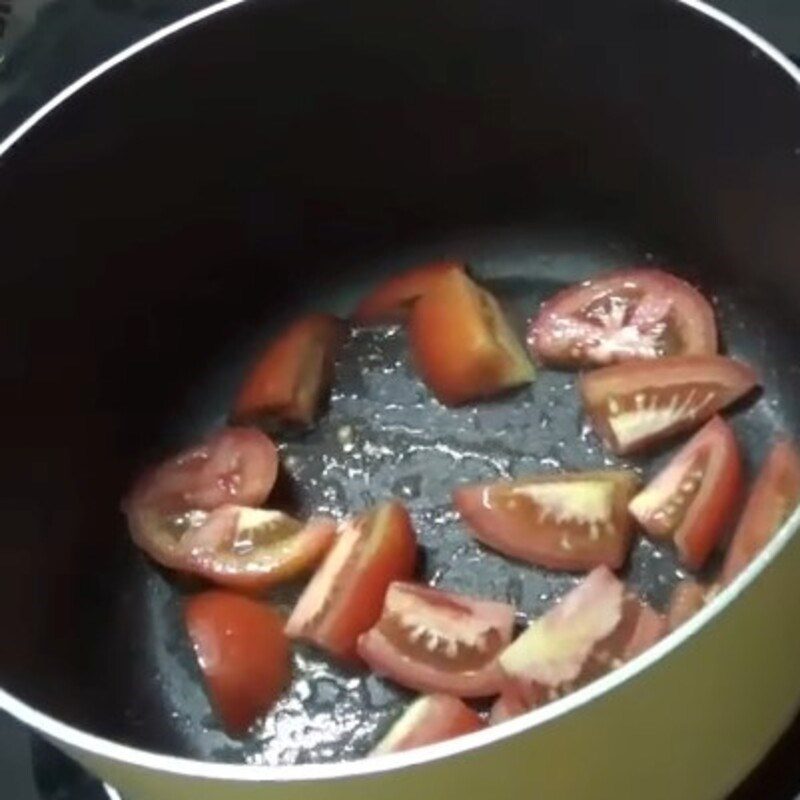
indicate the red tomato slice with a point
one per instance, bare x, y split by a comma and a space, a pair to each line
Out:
573, 521
233, 466
638, 403
291, 377
639, 628
774, 496
688, 597
594, 630
243, 653
632, 313
555, 647
391, 301
253, 549
346, 594
462, 344
692, 498
430, 719
250, 549
434, 641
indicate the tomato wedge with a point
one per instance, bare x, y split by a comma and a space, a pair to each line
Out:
435, 641
638, 403
639, 628
462, 344
430, 719
249, 549
596, 628
243, 654
688, 597
692, 498
291, 377
620, 315
253, 549
233, 466
555, 647
774, 496
391, 300
346, 594
573, 521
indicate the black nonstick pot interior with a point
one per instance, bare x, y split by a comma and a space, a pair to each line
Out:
280, 157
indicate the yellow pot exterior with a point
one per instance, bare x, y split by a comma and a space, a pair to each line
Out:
689, 726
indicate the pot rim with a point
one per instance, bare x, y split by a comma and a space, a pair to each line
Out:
100, 747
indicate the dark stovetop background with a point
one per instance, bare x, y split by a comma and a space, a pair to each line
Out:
44, 45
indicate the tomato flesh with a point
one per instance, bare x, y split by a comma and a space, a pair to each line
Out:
254, 549
554, 648
391, 301
292, 375
430, 719
435, 641
243, 653
573, 521
346, 594
692, 498
234, 466
774, 496
461, 343
626, 314
638, 403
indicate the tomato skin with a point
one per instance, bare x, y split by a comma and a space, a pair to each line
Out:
687, 391
430, 719
508, 523
444, 618
708, 505
560, 338
391, 301
243, 653
462, 345
688, 597
211, 551
290, 377
774, 496
232, 466
345, 596
554, 649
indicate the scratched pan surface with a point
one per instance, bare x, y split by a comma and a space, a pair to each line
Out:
385, 436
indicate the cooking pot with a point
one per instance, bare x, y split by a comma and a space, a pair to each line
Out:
166, 211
